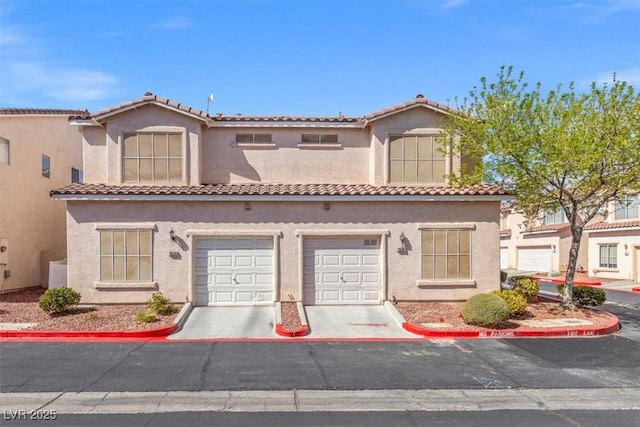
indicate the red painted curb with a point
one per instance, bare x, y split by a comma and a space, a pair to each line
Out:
77, 335
576, 282
636, 290
611, 327
302, 331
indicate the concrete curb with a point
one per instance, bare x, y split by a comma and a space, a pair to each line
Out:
610, 328
105, 335
280, 330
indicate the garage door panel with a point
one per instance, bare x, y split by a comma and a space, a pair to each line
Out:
341, 270
234, 271
534, 259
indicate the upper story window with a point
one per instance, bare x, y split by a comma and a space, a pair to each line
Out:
319, 138
627, 208
4, 151
416, 159
253, 137
556, 217
152, 157
76, 175
46, 166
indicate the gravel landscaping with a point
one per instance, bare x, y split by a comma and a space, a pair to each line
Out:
22, 307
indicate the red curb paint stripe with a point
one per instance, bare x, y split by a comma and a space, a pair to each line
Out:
636, 290
79, 335
575, 282
611, 327
280, 330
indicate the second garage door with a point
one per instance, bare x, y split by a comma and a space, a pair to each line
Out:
342, 271
534, 259
234, 271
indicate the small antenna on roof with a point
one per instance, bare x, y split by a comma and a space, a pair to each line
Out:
209, 101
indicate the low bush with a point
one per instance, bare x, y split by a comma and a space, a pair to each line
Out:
144, 317
586, 295
58, 300
526, 286
516, 303
485, 310
160, 304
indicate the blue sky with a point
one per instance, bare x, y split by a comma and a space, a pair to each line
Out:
303, 57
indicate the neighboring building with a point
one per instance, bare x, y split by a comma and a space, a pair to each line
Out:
614, 243
39, 152
223, 210
541, 245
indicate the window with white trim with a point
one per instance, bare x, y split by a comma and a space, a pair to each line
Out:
608, 255
553, 217
627, 208
446, 254
125, 256
416, 159
4, 151
319, 138
152, 157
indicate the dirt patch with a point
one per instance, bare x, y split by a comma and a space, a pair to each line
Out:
448, 315
290, 316
22, 307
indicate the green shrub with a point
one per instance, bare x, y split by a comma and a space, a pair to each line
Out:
503, 276
144, 317
58, 300
159, 304
516, 303
526, 286
485, 310
586, 295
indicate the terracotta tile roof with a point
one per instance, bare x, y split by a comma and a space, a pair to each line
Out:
547, 228
278, 189
601, 226
42, 111
417, 101
241, 118
148, 98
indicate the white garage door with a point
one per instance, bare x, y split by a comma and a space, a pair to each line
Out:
342, 271
234, 271
504, 258
534, 259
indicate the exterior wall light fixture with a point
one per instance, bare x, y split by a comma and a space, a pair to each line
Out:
626, 250
172, 234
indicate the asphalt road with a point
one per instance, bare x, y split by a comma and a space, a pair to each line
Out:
599, 368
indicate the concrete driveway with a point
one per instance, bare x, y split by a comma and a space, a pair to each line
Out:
325, 322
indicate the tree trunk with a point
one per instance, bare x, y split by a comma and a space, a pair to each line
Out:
567, 297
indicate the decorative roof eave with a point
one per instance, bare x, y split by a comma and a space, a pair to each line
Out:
418, 102
605, 227
258, 122
546, 229
278, 192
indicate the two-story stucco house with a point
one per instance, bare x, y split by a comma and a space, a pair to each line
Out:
223, 210
614, 242
39, 152
538, 245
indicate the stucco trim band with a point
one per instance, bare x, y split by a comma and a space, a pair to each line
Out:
125, 286
447, 226
453, 284
127, 226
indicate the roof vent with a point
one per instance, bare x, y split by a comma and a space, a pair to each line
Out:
148, 94
238, 114
419, 96
218, 114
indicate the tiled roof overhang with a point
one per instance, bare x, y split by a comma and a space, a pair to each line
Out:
42, 112
613, 226
551, 228
277, 192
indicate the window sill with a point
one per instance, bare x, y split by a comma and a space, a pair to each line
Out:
255, 145
124, 286
319, 146
446, 284
606, 270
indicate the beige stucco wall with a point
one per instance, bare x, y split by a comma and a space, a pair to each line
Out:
289, 220
285, 160
30, 222
628, 258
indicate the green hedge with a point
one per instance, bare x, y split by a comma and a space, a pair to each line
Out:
586, 295
485, 310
